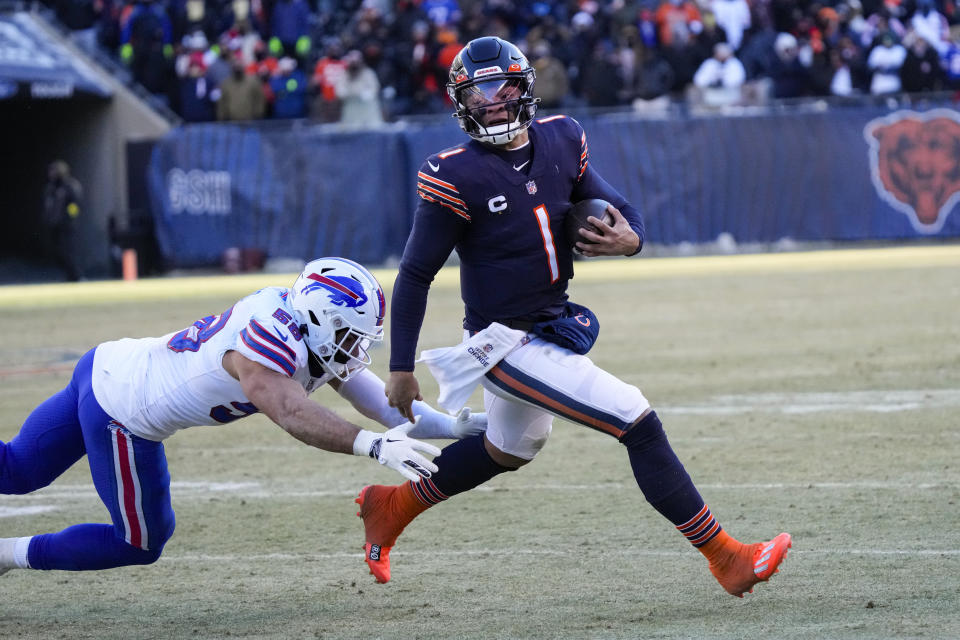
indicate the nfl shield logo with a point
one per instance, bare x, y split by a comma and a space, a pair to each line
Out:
531, 187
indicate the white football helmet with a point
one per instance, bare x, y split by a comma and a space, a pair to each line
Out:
339, 306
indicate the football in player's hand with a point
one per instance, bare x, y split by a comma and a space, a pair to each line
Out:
577, 219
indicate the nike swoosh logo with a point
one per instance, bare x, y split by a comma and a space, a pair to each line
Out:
435, 167
280, 333
389, 440
516, 168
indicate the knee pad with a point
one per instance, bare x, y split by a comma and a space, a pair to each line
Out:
523, 443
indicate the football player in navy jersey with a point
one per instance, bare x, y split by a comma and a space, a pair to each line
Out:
499, 200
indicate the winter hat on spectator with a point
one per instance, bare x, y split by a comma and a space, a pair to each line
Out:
581, 21
196, 41
784, 45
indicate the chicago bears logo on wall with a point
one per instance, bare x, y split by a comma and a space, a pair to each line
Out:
915, 164
344, 292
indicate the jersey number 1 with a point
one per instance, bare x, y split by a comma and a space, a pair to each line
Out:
543, 221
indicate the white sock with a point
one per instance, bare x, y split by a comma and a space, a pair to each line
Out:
20, 549
13, 553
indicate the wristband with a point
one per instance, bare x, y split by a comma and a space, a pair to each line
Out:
364, 443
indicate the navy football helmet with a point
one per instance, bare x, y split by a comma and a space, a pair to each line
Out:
491, 85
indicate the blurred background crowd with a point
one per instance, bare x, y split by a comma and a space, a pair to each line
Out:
366, 61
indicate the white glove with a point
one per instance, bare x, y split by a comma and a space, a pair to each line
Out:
468, 424
395, 449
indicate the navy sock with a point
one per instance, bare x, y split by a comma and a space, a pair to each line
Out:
463, 465
664, 482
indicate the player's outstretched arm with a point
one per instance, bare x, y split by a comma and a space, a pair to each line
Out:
366, 392
285, 402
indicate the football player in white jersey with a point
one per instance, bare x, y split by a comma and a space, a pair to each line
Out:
264, 354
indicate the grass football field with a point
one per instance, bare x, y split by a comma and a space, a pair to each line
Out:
816, 393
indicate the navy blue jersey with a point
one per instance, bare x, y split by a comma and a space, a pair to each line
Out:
503, 212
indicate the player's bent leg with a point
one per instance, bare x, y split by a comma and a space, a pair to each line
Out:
572, 387
669, 489
88, 547
131, 477
463, 465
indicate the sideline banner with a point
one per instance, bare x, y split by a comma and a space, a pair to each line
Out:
842, 174
291, 193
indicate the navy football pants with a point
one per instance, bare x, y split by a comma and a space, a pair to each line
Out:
129, 473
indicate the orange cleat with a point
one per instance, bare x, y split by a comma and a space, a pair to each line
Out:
384, 518
740, 570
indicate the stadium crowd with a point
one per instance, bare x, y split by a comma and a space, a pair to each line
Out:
363, 61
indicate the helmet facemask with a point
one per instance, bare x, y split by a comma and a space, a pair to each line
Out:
344, 351
495, 108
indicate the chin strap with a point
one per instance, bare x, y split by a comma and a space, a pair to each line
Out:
313, 361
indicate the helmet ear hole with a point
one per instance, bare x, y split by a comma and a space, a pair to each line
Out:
313, 318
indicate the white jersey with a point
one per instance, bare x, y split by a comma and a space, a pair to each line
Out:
157, 386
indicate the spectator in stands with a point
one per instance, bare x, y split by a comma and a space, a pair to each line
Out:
552, 84
721, 71
359, 92
601, 78
290, 25
791, 79
289, 89
197, 95
757, 52
238, 20
415, 79
325, 106
885, 61
62, 206
931, 25
442, 13
242, 37
921, 70
647, 28
733, 16
878, 24
710, 35
951, 60
192, 47
409, 43
190, 16
655, 76
145, 45
241, 94
846, 72
217, 62
677, 21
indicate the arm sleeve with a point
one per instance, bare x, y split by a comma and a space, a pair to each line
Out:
365, 392
435, 233
591, 185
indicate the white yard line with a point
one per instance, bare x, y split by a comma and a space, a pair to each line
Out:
270, 557
69, 495
891, 401
10, 512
